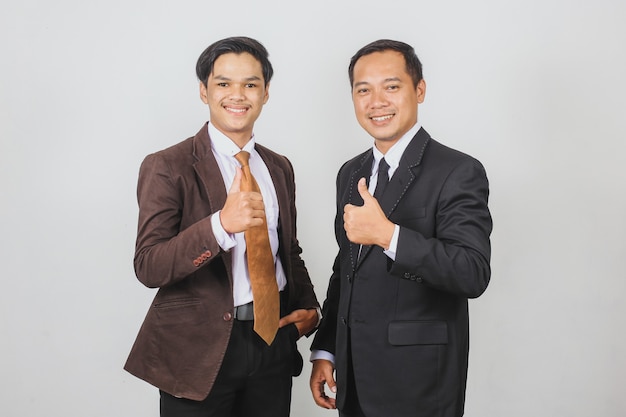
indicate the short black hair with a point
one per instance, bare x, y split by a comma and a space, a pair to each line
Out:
237, 45
413, 64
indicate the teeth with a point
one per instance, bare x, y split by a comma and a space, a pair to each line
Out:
382, 118
235, 110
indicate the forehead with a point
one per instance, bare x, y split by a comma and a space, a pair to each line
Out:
379, 66
237, 65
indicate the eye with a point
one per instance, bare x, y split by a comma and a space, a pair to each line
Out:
250, 85
362, 90
393, 87
222, 84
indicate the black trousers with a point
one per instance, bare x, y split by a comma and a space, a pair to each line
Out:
352, 406
254, 380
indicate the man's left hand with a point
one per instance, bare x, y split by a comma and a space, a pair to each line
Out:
304, 319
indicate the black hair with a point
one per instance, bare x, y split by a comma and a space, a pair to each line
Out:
413, 64
237, 45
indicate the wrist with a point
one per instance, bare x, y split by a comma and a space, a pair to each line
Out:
319, 315
386, 235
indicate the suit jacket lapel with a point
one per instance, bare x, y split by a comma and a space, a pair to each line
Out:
402, 179
362, 171
406, 172
211, 177
208, 171
282, 195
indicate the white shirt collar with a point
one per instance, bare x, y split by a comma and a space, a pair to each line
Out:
224, 145
393, 155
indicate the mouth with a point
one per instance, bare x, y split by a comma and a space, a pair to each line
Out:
235, 109
382, 118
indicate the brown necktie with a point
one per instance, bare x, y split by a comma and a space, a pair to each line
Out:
260, 266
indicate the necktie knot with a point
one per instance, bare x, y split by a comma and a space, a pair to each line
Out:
243, 157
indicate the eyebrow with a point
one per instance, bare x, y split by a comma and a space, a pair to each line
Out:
386, 80
225, 78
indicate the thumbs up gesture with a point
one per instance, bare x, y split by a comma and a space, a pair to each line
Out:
243, 209
367, 224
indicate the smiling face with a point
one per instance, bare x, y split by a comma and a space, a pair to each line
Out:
235, 92
385, 100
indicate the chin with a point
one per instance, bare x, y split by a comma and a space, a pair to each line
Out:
384, 136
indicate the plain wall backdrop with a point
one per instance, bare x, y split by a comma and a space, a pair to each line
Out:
534, 89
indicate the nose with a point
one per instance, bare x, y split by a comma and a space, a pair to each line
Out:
238, 92
378, 99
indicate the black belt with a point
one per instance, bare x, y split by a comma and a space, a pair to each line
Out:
245, 312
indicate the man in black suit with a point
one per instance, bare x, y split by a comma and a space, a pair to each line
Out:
395, 327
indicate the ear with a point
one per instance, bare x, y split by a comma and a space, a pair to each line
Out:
203, 93
421, 91
267, 93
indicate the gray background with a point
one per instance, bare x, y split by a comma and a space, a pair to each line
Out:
534, 89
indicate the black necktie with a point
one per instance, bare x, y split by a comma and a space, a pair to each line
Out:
381, 184
383, 179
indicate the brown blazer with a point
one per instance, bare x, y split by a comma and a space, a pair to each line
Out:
184, 336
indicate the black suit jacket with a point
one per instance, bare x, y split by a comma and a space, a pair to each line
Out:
408, 319
184, 336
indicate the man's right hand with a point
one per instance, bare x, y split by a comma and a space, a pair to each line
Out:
243, 209
322, 374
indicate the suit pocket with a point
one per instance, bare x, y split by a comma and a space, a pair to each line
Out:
179, 312
411, 218
409, 214
177, 303
404, 333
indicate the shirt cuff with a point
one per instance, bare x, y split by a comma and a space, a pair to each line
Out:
322, 354
224, 239
319, 316
393, 245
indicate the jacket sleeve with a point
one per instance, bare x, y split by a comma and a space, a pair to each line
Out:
165, 254
325, 338
327, 331
303, 294
456, 259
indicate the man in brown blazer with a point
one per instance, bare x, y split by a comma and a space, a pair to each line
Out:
197, 343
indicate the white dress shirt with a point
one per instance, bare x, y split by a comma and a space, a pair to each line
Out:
224, 151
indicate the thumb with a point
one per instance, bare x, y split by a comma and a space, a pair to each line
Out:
363, 191
235, 187
330, 381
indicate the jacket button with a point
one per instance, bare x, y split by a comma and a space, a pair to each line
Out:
228, 316
196, 262
407, 275
419, 279
208, 254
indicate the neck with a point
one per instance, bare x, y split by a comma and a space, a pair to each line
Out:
239, 139
240, 142
384, 145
